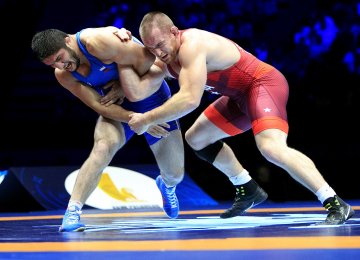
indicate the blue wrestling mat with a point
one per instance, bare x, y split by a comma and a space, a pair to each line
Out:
134, 228
269, 231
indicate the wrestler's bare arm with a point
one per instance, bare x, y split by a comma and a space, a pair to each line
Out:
144, 86
90, 97
101, 43
129, 56
192, 79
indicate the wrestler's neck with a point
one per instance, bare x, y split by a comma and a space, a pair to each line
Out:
75, 47
177, 47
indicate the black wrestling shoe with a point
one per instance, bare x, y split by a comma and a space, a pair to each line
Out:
339, 211
245, 202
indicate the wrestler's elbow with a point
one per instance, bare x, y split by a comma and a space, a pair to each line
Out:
99, 109
142, 91
192, 102
138, 96
134, 98
134, 95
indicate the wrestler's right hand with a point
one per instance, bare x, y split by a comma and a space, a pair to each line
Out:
123, 34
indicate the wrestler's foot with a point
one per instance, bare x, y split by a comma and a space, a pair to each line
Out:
244, 202
71, 221
170, 201
339, 211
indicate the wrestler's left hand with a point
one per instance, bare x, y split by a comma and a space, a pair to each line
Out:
123, 34
158, 130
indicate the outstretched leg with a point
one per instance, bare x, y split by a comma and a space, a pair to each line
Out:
272, 145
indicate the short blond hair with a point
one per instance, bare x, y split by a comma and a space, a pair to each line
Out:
154, 20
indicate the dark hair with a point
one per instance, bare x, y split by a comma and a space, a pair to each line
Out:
48, 42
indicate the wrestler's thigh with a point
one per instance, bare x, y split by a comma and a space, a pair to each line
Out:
203, 132
229, 115
110, 130
169, 151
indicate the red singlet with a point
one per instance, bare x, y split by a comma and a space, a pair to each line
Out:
254, 95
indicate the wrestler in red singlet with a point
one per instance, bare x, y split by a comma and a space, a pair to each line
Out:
254, 94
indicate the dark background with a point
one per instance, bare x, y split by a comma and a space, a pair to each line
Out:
314, 43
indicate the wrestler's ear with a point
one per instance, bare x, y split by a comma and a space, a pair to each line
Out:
174, 30
67, 40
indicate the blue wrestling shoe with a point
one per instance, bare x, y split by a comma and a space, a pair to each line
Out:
170, 201
71, 221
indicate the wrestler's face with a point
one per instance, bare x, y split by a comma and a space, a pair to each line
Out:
162, 44
64, 59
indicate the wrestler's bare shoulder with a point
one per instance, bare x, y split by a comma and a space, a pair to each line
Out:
103, 44
194, 34
206, 37
91, 35
220, 51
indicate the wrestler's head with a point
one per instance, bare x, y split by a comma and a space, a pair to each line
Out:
160, 36
52, 47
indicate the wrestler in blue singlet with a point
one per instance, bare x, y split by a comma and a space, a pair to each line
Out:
101, 73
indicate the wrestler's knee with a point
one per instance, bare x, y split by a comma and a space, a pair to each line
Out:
105, 147
172, 178
210, 152
271, 150
173, 175
195, 139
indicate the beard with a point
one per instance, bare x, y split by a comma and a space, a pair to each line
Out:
75, 58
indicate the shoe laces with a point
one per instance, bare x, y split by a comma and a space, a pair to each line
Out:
170, 194
73, 216
333, 205
240, 192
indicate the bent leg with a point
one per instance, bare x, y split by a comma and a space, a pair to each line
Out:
169, 155
109, 137
203, 133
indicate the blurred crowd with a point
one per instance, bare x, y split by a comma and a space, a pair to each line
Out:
294, 36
